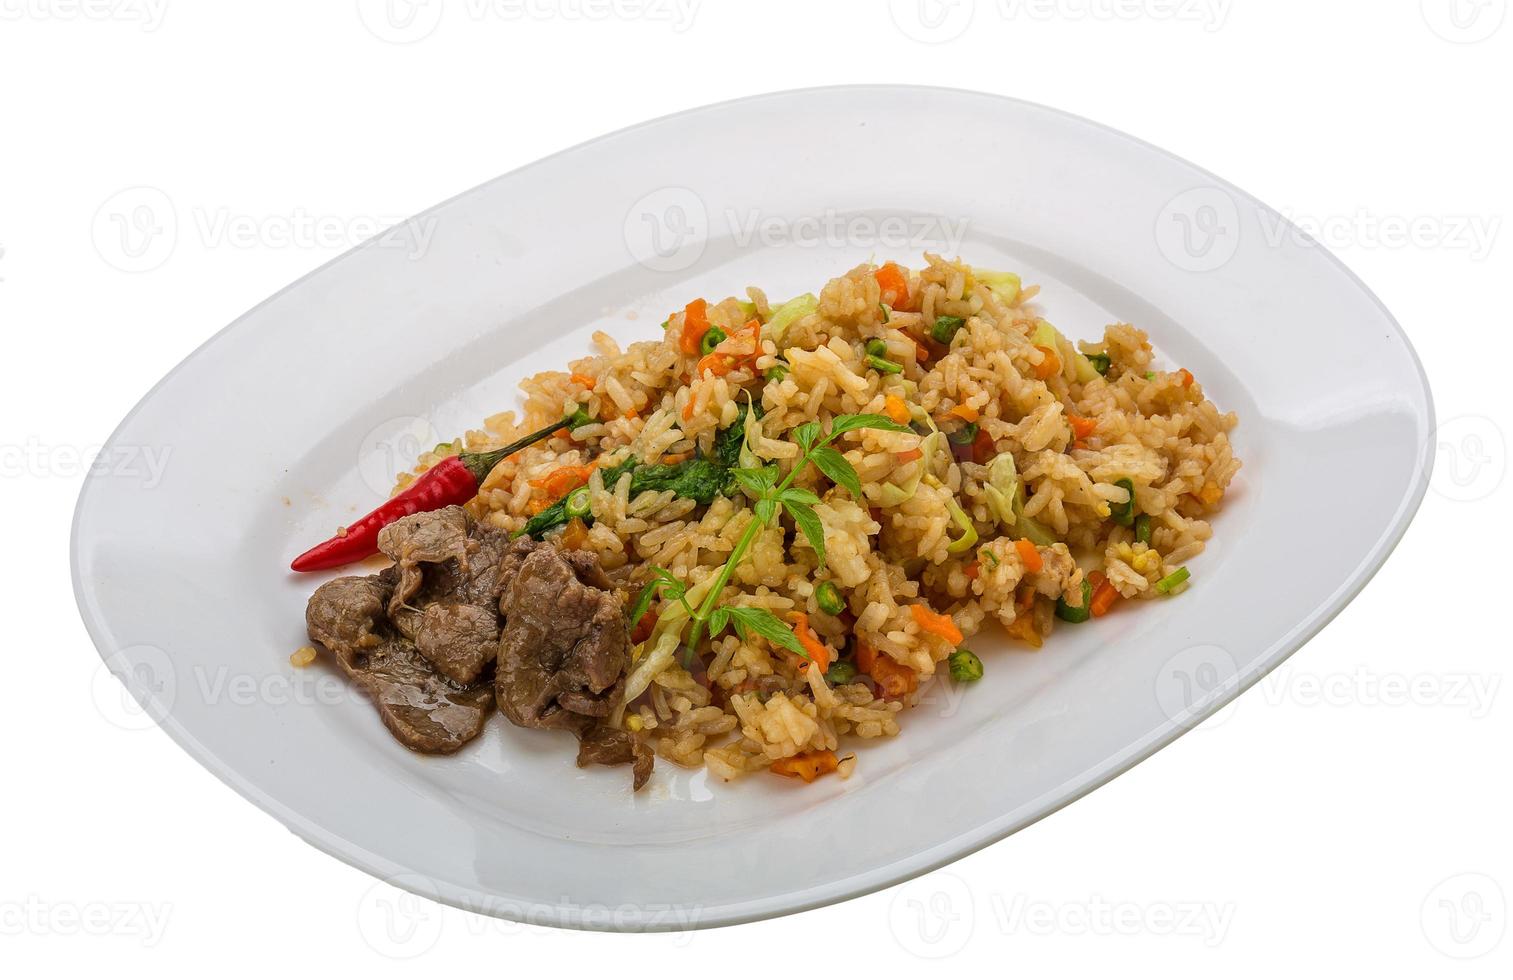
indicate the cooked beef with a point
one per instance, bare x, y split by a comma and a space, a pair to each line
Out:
564, 652
608, 746
565, 645
459, 640
422, 636
425, 710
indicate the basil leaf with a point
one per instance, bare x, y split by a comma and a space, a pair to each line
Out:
757, 481
808, 522
806, 434
763, 623
837, 469
798, 495
718, 620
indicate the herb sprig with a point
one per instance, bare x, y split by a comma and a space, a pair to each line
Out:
770, 493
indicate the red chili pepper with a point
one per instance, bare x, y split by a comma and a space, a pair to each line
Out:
454, 480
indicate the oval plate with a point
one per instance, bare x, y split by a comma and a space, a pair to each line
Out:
297, 415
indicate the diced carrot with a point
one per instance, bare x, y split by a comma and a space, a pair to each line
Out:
673, 459
1210, 494
807, 766
575, 535
631, 413
695, 325
922, 353
938, 624
562, 479
896, 409
1081, 427
1023, 627
1186, 377
586, 380
817, 651
1104, 595
866, 655
983, 448
1079, 444
643, 628
966, 413
908, 456
1027, 554
718, 365
894, 284
537, 506
1050, 366
972, 569
894, 678
687, 412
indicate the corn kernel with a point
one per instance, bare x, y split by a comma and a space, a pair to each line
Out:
303, 657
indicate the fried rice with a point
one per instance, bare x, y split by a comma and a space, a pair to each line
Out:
1010, 493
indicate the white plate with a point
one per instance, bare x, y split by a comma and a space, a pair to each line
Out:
297, 415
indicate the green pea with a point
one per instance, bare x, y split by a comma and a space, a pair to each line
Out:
877, 347
965, 666
945, 328
828, 598
712, 338
840, 672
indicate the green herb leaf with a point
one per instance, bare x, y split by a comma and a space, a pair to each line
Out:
798, 495
718, 620
808, 522
837, 469
845, 423
765, 624
643, 603
757, 481
764, 509
806, 435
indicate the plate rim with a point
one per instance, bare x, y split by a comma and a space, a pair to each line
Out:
922, 862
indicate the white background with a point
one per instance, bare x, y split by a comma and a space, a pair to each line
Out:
1351, 812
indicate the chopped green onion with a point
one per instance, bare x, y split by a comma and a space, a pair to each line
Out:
444, 448
580, 418
963, 436
1124, 514
965, 666
945, 328
828, 598
877, 347
1143, 529
1077, 614
1100, 362
1172, 581
666, 322
1150, 376
968, 537
884, 365
777, 372
577, 504
887, 313
712, 338
840, 672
